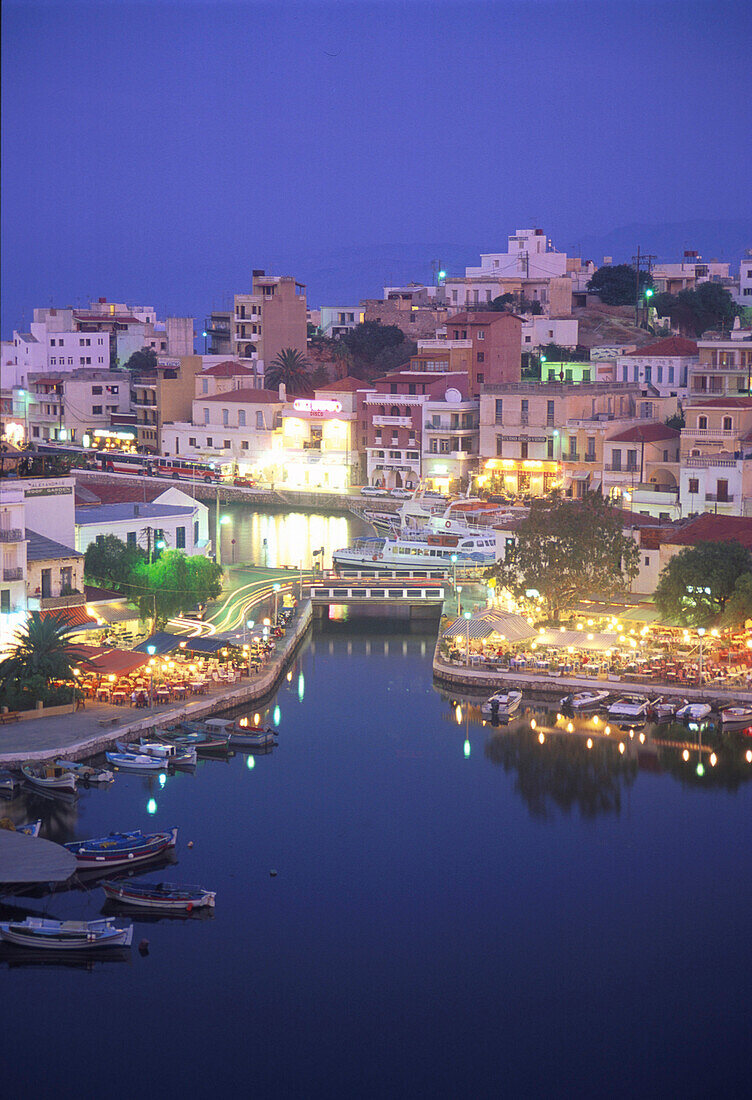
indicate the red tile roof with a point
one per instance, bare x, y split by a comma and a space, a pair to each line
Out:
723, 403
72, 616
346, 385
117, 494
670, 347
228, 369
711, 528
636, 519
644, 433
248, 397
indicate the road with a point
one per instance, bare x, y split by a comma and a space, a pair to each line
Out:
249, 594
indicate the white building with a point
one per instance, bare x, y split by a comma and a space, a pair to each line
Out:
68, 406
688, 274
337, 320
539, 331
664, 365
715, 483
176, 526
235, 426
744, 295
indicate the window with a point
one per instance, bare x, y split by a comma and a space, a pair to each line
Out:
523, 448
591, 447
192, 441
206, 416
616, 459
394, 411
413, 455
53, 361
130, 538
195, 531
204, 385
241, 418
225, 418
727, 423
244, 445
96, 410
702, 422
499, 417
433, 446
648, 374
670, 376
480, 357
694, 485
481, 334
481, 378
259, 420
5, 601
659, 375
226, 444
395, 454
631, 460
550, 447
445, 446
180, 538
52, 343
209, 441
524, 407
625, 374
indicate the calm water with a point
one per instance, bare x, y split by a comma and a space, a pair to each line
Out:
283, 538
525, 920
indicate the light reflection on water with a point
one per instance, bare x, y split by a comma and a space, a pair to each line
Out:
274, 539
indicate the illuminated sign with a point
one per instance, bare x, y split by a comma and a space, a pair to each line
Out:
103, 432
316, 408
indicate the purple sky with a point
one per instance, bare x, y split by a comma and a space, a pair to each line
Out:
157, 152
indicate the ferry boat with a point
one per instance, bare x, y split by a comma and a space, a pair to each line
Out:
423, 552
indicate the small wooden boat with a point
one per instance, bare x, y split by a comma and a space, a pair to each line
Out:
31, 828
85, 773
120, 849
137, 762
584, 700
502, 704
199, 740
158, 895
66, 935
630, 708
171, 753
49, 777
694, 712
663, 710
8, 781
736, 717
250, 736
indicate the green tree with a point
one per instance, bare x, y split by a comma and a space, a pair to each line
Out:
675, 421
390, 358
367, 341
707, 306
145, 359
43, 651
502, 303
174, 583
568, 550
695, 586
738, 608
291, 369
616, 285
109, 561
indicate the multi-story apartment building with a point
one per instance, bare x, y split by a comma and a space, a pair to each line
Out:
744, 294
261, 324
69, 406
664, 366
335, 321
641, 464
495, 343
13, 562
724, 366
161, 396
316, 446
716, 452
450, 433
539, 331
688, 274
716, 425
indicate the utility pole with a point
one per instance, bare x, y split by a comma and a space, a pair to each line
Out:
641, 260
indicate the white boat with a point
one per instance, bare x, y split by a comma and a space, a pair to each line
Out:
168, 754
137, 762
736, 717
661, 710
502, 704
49, 777
694, 712
419, 551
85, 773
66, 935
8, 781
584, 700
630, 707
158, 895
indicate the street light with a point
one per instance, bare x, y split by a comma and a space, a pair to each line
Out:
151, 650
468, 617
459, 604
454, 573
276, 588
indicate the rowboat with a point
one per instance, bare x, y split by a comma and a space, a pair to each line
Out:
630, 707
8, 781
736, 717
694, 712
502, 705
120, 849
85, 773
158, 895
584, 700
49, 777
137, 762
66, 935
160, 750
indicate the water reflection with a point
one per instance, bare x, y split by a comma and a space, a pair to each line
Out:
274, 539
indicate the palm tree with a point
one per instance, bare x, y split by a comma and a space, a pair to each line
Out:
291, 368
43, 652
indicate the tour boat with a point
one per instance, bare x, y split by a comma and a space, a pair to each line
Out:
49, 777
630, 708
419, 551
66, 935
502, 705
584, 700
137, 762
158, 895
694, 712
120, 849
85, 773
736, 717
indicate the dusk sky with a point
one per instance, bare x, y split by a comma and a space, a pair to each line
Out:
156, 152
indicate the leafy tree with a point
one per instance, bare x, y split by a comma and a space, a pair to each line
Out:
709, 305
145, 359
174, 583
502, 303
290, 368
694, 587
367, 341
568, 550
675, 421
43, 651
739, 604
110, 561
390, 358
616, 285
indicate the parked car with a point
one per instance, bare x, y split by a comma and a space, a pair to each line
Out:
373, 491
244, 482
401, 494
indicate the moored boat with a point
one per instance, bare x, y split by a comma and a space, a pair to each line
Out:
120, 849
49, 777
502, 704
420, 551
158, 895
632, 708
663, 710
584, 700
8, 781
86, 773
243, 736
694, 712
168, 753
137, 762
31, 828
736, 717
66, 935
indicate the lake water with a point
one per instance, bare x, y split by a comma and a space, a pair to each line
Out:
458, 911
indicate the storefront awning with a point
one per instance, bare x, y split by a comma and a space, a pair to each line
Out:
115, 611
159, 643
507, 625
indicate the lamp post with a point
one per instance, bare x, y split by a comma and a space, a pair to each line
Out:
151, 650
276, 588
649, 292
454, 573
459, 605
468, 617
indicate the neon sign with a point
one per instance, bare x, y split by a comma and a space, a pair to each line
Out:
316, 408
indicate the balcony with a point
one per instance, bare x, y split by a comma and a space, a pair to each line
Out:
393, 421
707, 433
447, 426
50, 603
15, 573
11, 534
570, 456
144, 404
590, 458
218, 328
628, 469
714, 497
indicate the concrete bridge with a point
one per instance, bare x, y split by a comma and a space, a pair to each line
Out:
398, 596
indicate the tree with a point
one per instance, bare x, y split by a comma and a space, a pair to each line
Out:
502, 303
708, 305
617, 285
146, 359
390, 358
174, 583
367, 341
739, 604
694, 587
291, 369
567, 550
43, 652
110, 561
675, 421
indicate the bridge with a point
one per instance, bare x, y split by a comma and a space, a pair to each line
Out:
417, 598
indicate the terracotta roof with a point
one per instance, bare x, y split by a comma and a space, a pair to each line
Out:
248, 397
482, 317
346, 385
644, 433
723, 403
97, 493
72, 616
711, 528
227, 369
636, 519
671, 346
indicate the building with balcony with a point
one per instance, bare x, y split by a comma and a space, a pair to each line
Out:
641, 468
54, 574
715, 425
449, 454
664, 366
161, 396
673, 277
335, 321
495, 346
69, 406
744, 294
235, 427
316, 446
261, 324
724, 365
13, 542
720, 483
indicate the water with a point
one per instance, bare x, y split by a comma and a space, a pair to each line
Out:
274, 539
526, 920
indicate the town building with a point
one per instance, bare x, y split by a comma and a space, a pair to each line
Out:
261, 324
494, 341
716, 448
152, 526
418, 310
316, 445
162, 395
724, 366
71, 406
539, 331
743, 295
335, 321
665, 366
670, 278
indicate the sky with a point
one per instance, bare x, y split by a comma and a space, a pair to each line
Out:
156, 153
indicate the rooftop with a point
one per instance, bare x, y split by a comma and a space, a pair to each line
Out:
94, 515
482, 317
644, 433
671, 346
248, 397
722, 403
40, 548
345, 385
711, 528
228, 369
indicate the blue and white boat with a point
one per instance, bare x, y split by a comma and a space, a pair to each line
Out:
168, 896
85, 773
136, 762
160, 750
66, 935
423, 551
120, 849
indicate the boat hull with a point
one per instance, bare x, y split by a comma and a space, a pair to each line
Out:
126, 893
65, 935
94, 854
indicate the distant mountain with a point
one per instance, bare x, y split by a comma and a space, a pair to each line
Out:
714, 240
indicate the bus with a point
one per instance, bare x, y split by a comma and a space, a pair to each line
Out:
127, 462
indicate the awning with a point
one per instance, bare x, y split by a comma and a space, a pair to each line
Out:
162, 643
511, 627
117, 661
580, 477
207, 645
579, 639
77, 617
114, 612
596, 482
